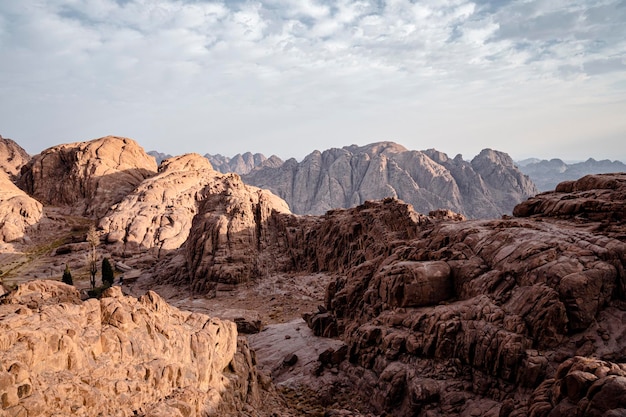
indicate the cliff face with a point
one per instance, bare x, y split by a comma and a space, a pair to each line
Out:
489, 186
242, 163
118, 356
87, 177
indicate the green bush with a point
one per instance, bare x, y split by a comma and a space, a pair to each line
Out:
107, 273
67, 276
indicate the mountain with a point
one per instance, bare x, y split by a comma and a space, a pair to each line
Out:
546, 174
488, 186
159, 157
242, 164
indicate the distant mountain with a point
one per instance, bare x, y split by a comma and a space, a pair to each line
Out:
159, 157
547, 174
242, 164
488, 186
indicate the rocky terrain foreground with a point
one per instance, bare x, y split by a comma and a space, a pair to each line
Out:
238, 307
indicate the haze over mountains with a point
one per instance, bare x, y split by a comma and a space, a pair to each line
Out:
546, 174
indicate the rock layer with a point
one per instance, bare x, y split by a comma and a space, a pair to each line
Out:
489, 186
118, 356
87, 177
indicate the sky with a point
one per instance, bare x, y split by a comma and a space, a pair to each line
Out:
543, 78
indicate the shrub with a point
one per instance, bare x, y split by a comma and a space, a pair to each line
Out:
67, 276
107, 273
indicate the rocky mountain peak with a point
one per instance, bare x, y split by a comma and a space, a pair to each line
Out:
87, 177
376, 148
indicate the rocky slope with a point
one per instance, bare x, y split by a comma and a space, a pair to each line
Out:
547, 174
243, 164
118, 356
489, 186
159, 212
12, 157
87, 177
18, 211
515, 316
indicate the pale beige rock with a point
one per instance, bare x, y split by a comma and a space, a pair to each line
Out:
159, 213
12, 157
116, 356
18, 211
87, 177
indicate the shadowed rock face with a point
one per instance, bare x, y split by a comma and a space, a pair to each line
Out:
489, 186
118, 356
87, 177
12, 157
18, 211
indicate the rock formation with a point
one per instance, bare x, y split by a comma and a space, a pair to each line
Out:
12, 157
489, 186
242, 164
87, 177
594, 200
547, 174
159, 156
18, 211
159, 212
444, 316
118, 356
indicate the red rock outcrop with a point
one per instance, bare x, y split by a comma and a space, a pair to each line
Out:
18, 211
12, 157
118, 356
598, 201
87, 177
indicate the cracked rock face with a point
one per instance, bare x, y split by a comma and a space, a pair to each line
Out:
118, 356
87, 177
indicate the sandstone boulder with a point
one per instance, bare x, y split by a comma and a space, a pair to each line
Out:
18, 211
87, 177
118, 356
12, 157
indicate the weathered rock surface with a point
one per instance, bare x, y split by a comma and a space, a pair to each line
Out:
451, 317
87, 177
18, 211
547, 174
242, 164
489, 186
118, 356
12, 157
159, 214
594, 200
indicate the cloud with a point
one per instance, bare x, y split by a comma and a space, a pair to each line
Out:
247, 69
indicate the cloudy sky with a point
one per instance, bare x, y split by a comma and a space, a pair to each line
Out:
542, 78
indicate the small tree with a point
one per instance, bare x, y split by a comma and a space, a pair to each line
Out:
67, 276
107, 273
92, 257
